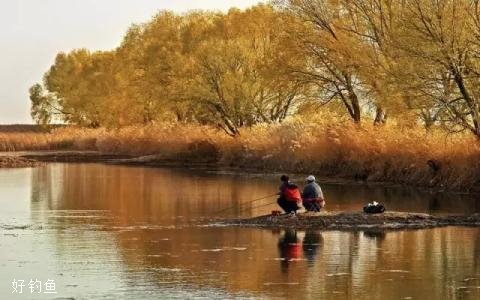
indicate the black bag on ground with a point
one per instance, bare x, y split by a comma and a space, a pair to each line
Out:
374, 208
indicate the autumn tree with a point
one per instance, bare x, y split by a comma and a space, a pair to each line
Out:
82, 83
237, 79
151, 61
44, 106
363, 58
329, 65
441, 50
221, 69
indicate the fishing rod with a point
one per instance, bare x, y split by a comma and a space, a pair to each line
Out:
248, 202
258, 206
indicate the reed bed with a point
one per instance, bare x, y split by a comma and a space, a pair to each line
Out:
319, 145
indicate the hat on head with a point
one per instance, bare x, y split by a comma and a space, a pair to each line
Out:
310, 178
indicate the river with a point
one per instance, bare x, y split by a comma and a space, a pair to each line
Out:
117, 232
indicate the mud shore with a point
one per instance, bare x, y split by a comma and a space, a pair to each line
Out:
18, 162
55, 156
354, 221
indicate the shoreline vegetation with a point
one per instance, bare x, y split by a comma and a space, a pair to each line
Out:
354, 221
382, 91
393, 155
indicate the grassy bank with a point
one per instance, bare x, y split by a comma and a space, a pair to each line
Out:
384, 154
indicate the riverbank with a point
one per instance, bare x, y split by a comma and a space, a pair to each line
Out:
18, 162
22, 159
40, 157
388, 154
354, 221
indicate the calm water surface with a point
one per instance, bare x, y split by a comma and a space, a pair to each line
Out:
115, 232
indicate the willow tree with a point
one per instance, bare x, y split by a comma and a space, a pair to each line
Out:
77, 88
374, 25
441, 51
329, 65
151, 60
45, 108
237, 80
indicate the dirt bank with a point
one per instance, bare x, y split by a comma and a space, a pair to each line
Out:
85, 156
61, 156
186, 161
355, 221
18, 162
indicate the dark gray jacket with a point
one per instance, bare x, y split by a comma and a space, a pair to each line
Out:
312, 190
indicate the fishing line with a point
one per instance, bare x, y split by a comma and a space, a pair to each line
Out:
258, 206
244, 203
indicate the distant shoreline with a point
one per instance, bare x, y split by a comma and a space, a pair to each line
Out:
389, 156
22, 159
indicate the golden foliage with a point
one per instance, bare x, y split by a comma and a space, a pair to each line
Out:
412, 60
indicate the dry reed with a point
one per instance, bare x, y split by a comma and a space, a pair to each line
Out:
318, 145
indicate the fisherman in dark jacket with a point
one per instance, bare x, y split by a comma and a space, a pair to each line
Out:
312, 196
285, 182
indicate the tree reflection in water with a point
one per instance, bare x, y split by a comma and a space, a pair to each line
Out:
135, 229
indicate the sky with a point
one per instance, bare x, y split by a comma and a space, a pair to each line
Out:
32, 32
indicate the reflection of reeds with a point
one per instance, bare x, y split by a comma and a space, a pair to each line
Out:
318, 145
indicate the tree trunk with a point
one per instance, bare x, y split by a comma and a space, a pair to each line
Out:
471, 102
353, 98
356, 108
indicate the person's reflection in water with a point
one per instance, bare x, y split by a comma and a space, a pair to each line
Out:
289, 247
311, 242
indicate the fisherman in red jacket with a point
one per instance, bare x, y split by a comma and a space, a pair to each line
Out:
289, 195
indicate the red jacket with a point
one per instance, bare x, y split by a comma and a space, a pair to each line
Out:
292, 193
